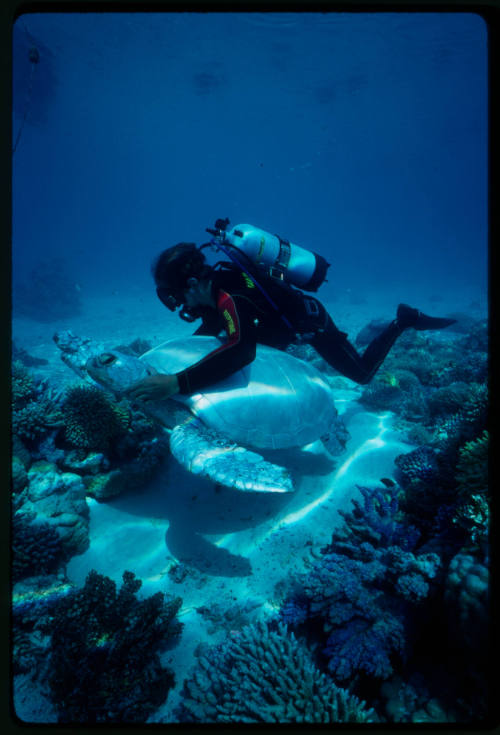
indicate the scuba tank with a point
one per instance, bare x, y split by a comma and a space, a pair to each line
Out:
279, 258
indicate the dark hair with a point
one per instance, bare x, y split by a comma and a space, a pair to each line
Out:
175, 265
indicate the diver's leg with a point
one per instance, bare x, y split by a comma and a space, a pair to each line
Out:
335, 348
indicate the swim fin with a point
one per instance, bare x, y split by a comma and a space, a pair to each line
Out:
407, 316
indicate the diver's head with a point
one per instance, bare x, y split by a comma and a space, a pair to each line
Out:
179, 273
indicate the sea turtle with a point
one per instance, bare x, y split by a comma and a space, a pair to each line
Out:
275, 402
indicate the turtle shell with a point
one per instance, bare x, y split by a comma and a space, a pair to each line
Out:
276, 401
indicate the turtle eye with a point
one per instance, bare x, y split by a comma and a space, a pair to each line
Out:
106, 359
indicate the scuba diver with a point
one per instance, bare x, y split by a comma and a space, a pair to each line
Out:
258, 297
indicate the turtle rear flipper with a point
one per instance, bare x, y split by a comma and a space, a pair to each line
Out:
203, 451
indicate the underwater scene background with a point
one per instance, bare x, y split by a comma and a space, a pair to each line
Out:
144, 593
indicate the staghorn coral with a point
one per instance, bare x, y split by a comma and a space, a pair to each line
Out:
261, 675
91, 419
104, 651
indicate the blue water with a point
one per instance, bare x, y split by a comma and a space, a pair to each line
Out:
361, 136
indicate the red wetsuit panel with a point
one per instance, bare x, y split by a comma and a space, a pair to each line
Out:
226, 359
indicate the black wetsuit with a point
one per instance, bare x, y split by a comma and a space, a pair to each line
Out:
248, 319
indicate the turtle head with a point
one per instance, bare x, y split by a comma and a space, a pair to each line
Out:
116, 371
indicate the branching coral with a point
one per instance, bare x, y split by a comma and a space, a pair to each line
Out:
33, 413
365, 585
104, 651
35, 420
261, 675
36, 547
92, 420
374, 522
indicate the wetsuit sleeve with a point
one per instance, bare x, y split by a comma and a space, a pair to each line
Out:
210, 324
235, 353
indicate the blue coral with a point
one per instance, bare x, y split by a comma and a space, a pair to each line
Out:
365, 585
366, 645
374, 522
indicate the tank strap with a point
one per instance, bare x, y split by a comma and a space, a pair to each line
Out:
240, 265
281, 263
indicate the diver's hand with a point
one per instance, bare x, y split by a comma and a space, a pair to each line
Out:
153, 388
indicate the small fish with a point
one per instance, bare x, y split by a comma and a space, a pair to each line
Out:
387, 481
78, 287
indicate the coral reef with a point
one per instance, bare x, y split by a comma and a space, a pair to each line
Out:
92, 420
467, 599
397, 390
58, 499
22, 384
264, 675
104, 651
119, 448
364, 587
418, 465
33, 413
473, 489
449, 399
36, 547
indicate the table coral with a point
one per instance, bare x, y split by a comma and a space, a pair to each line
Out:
264, 675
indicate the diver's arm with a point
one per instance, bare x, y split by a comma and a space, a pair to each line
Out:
235, 353
210, 324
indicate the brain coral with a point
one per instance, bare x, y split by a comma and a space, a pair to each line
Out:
92, 420
260, 675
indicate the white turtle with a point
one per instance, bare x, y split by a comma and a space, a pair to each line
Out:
275, 402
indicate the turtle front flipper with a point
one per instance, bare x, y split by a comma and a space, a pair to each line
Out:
204, 451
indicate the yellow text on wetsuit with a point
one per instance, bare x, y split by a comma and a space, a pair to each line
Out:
231, 329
